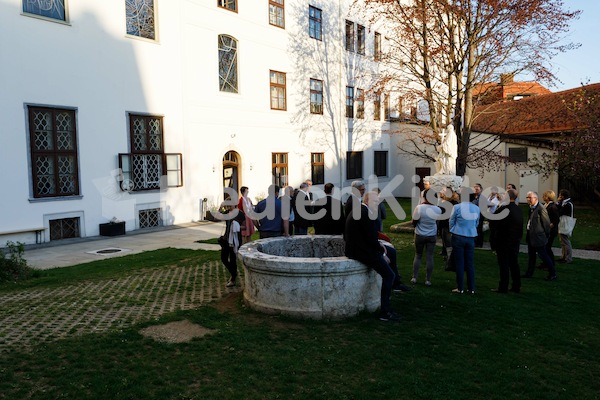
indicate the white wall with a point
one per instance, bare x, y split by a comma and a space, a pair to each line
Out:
91, 65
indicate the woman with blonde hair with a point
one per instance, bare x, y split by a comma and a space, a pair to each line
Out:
549, 198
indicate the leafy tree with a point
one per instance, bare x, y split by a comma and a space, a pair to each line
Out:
440, 50
576, 157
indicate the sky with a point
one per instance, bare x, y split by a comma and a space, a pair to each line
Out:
578, 66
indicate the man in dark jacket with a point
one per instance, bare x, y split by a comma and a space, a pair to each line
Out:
505, 238
362, 244
333, 221
538, 230
302, 210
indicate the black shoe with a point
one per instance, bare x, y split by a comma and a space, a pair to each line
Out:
551, 278
514, 290
499, 291
401, 288
390, 316
525, 276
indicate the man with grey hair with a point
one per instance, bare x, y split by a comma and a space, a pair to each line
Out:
354, 200
538, 230
362, 244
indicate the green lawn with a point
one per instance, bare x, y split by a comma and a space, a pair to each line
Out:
541, 344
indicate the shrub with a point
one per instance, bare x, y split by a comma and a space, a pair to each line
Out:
13, 267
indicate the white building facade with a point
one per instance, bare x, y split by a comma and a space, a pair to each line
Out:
143, 110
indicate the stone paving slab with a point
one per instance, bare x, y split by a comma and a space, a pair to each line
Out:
39, 315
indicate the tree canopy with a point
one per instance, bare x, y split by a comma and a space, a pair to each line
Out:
440, 50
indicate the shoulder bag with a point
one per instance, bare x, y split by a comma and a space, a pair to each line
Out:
567, 223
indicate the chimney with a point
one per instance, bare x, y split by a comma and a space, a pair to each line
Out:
506, 79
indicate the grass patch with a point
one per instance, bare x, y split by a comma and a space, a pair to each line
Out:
540, 344
209, 241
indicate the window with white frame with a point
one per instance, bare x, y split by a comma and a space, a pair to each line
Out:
51, 9
145, 166
53, 147
140, 17
228, 64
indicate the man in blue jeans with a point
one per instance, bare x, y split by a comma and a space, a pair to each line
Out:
362, 244
463, 227
269, 218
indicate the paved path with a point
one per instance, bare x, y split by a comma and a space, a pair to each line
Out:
64, 253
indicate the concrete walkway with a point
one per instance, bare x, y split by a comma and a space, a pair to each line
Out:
69, 252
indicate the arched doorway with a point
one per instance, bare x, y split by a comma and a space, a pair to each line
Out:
231, 168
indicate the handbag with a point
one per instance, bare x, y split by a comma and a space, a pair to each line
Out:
566, 224
223, 242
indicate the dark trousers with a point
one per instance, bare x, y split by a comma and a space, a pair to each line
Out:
508, 263
463, 249
549, 245
229, 259
446, 240
387, 276
392, 255
479, 238
540, 251
268, 234
300, 230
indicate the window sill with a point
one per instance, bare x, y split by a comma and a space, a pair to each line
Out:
58, 198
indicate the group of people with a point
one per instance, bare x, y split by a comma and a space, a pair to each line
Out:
457, 220
462, 230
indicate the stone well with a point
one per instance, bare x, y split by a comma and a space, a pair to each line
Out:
308, 277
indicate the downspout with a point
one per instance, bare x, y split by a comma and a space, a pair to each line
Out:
505, 165
342, 96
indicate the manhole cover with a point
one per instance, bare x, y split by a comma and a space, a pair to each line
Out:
108, 251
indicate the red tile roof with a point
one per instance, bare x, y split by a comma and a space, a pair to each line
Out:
488, 93
536, 115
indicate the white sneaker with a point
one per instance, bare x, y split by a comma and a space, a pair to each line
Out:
427, 283
413, 280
